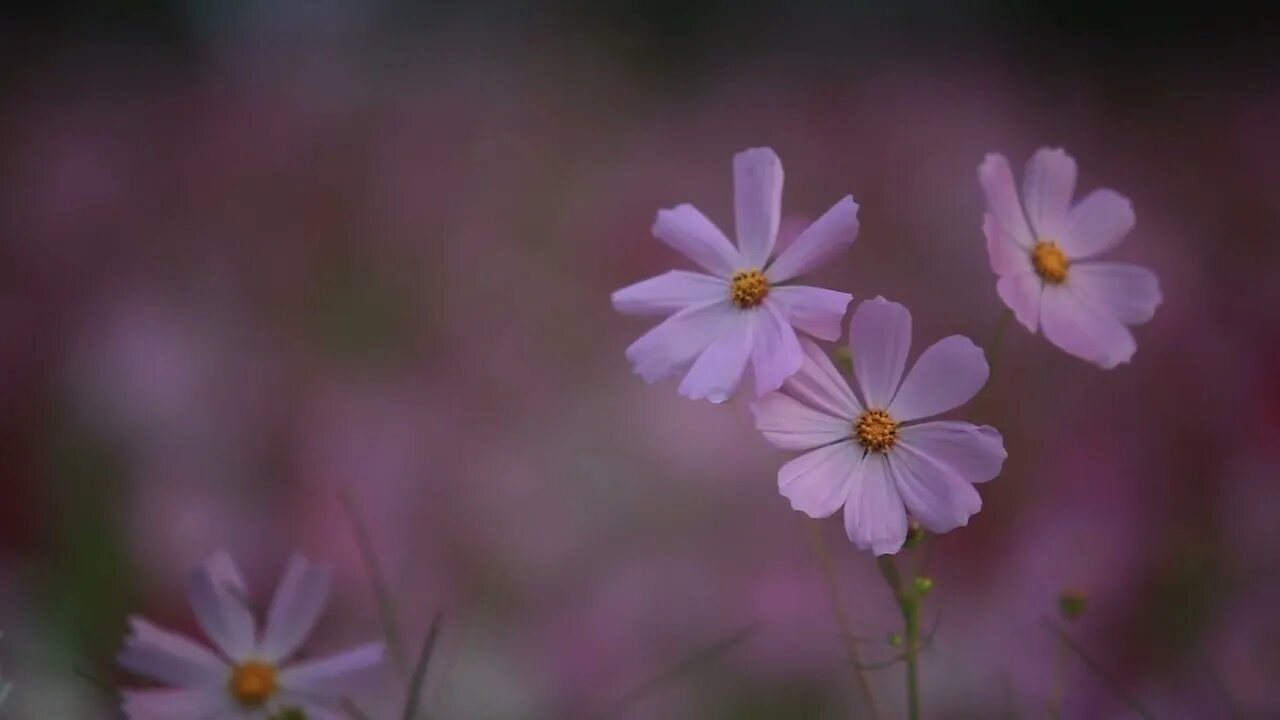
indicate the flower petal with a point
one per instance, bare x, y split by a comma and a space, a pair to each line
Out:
1084, 330
819, 384
816, 311
718, 370
791, 425
775, 350
879, 339
935, 494
217, 596
757, 202
1002, 198
686, 229
1049, 185
874, 518
168, 704
674, 343
1007, 257
298, 602
828, 235
948, 374
171, 658
669, 292
1021, 294
818, 482
1128, 292
975, 452
318, 676
1097, 224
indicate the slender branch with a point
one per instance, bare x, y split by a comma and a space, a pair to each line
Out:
1059, 691
697, 659
841, 617
1099, 672
909, 605
997, 335
377, 580
419, 677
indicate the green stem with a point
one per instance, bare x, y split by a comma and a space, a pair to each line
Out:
842, 619
908, 600
993, 346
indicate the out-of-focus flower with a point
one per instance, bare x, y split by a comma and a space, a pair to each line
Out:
1044, 258
741, 312
247, 676
863, 454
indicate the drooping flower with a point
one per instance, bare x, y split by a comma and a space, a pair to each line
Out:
1045, 258
866, 451
247, 676
741, 311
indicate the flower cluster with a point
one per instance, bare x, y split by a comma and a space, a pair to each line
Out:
865, 449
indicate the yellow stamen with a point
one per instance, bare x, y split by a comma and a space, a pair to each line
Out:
875, 430
253, 682
748, 288
1049, 261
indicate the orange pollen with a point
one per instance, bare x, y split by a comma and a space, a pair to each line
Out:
1049, 261
748, 288
253, 682
875, 430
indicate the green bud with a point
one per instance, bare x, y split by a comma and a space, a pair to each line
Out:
1072, 603
923, 585
895, 639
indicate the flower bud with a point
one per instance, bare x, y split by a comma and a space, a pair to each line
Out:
895, 639
923, 585
1072, 603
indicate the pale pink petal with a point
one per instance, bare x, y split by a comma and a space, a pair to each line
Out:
879, 339
791, 425
1049, 185
217, 596
1097, 224
935, 494
686, 229
1129, 292
757, 202
818, 482
816, 311
828, 235
1002, 198
775, 351
674, 343
820, 385
1021, 294
171, 658
669, 292
1084, 330
718, 370
874, 517
1007, 257
298, 602
948, 374
975, 452
167, 704
320, 676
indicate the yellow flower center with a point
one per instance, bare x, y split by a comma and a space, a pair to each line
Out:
253, 682
1049, 261
875, 430
748, 288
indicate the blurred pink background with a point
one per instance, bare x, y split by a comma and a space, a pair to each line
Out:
305, 251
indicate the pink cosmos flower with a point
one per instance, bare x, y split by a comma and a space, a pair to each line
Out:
1044, 258
865, 452
742, 311
247, 677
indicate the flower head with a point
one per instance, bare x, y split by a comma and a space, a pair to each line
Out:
866, 452
245, 676
1044, 248
741, 310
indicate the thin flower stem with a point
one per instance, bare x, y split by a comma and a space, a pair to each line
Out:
997, 334
1059, 691
909, 605
373, 569
847, 636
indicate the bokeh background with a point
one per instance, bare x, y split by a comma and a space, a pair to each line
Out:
254, 255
